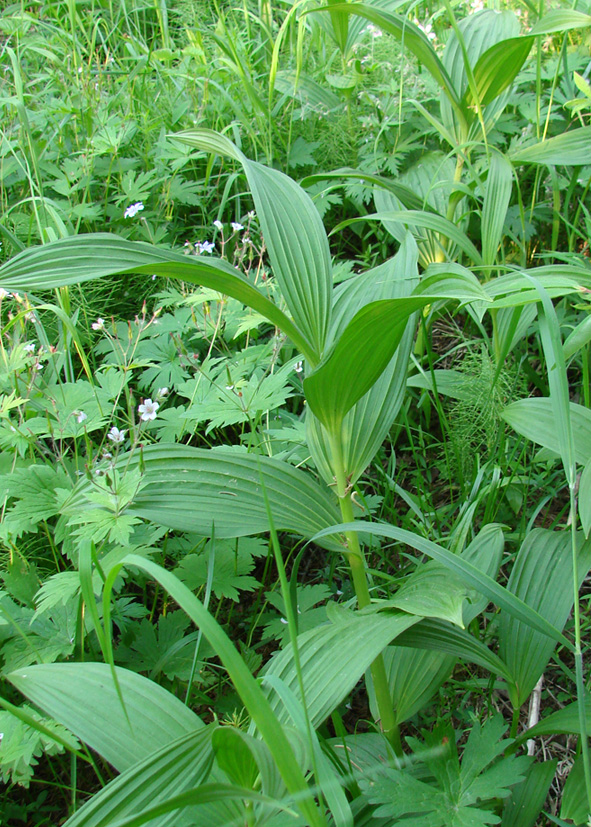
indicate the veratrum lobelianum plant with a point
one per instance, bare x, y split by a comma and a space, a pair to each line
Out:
355, 348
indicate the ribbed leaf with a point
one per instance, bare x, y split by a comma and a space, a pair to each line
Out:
333, 658
561, 20
367, 345
414, 675
429, 591
569, 149
565, 720
536, 420
443, 637
246, 686
427, 220
542, 576
192, 489
497, 68
85, 257
469, 573
179, 766
367, 424
83, 697
294, 235
575, 805
527, 798
515, 288
445, 382
410, 36
497, 194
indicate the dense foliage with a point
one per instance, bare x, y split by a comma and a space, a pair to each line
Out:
295, 413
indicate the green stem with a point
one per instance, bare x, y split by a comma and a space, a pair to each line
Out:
356, 560
578, 650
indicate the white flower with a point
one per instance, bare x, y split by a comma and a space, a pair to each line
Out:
236, 226
204, 246
374, 31
3, 293
98, 325
30, 347
115, 435
218, 225
148, 410
133, 209
80, 416
299, 366
161, 393
251, 214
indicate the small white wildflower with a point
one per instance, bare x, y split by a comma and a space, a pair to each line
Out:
299, 366
218, 225
3, 293
161, 393
148, 410
133, 210
115, 435
204, 246
236, 227
154, 277
30, 347
80, 416
98, 325
251, 214
38, 366
107, 455
283, 620
229, 387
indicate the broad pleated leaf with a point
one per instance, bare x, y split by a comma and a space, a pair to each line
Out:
86, 257
575, 805
192, 489
569, 149
245, 684
418, 663
430, 591
497, 194
432, 179
527, 798
333, 658
440, 636
179, 766
542, 576
445, 382
515, 288
467, 572
479, 33
565, 720
557, 382
294, 235
561, 20
368, 423
83, 697
578, 338
427, 220
535, 419
367, 345
497, 68
410, 36
414, 676
407, 196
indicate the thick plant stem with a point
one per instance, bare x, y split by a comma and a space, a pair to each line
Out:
356, 560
